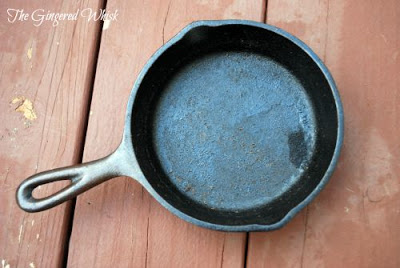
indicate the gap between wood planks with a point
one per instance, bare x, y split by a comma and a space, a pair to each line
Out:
246, 245
71, 211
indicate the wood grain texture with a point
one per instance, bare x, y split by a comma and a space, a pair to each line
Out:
355, 221
51, 67
118, 224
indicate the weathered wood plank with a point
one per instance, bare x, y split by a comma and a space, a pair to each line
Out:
51, 67
355, 220
118, 224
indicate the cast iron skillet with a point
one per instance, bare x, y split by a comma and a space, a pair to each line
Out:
231, 125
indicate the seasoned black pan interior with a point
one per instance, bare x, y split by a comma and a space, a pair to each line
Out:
234, 125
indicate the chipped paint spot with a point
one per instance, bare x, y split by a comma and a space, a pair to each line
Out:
25, 107
384, 38
37, 236
20, 233
350, 190
106, 24
4, 264
33, 222
31, 265
17, 100
346, 209
27, 124
29, 52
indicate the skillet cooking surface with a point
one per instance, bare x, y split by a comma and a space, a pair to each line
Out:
234, 130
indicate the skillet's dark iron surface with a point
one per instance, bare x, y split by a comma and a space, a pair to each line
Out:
232, 125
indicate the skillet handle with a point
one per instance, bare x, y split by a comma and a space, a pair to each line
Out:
82, 177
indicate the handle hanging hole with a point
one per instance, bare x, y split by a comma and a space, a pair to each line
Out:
45, 190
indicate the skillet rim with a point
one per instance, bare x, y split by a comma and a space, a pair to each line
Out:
127, 142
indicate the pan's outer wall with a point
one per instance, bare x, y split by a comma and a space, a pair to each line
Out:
128, 145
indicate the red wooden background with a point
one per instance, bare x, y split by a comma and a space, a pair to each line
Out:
78, 76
